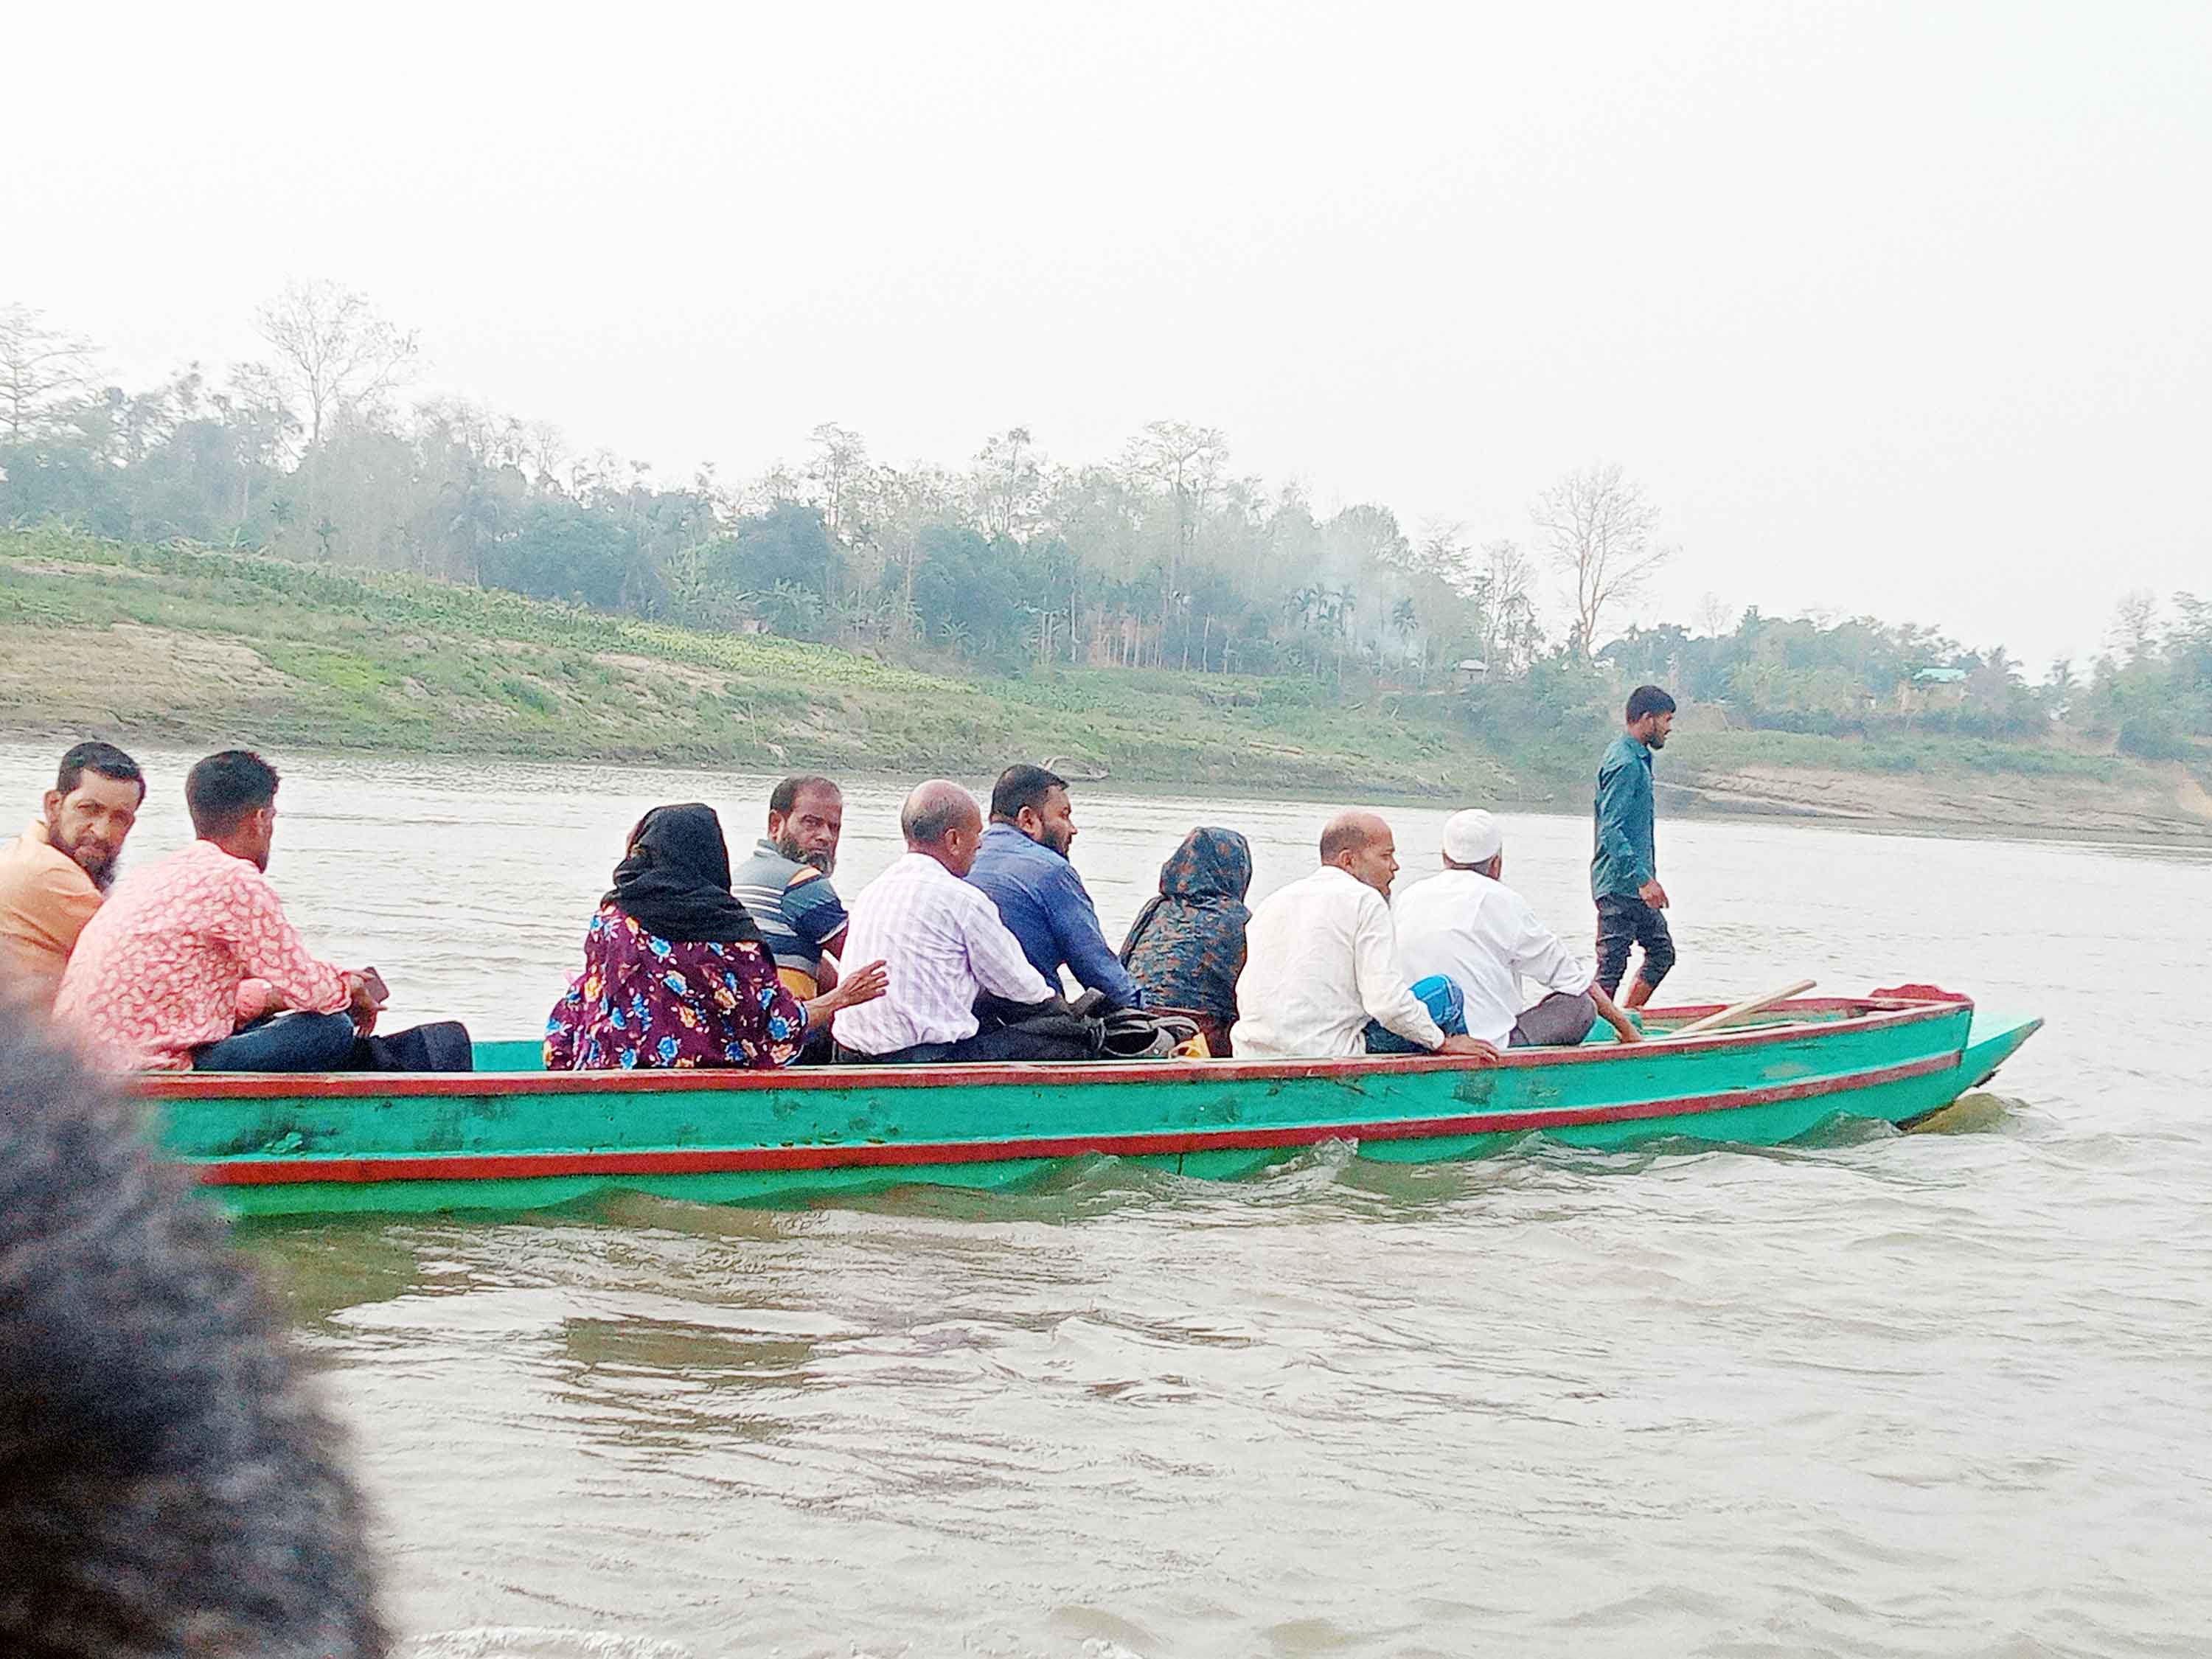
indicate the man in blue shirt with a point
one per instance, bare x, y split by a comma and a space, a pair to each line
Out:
1023, 867
1625, 868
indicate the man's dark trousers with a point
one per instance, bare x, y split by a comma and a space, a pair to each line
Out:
1047, 1031
297, 1042
284, 1043
1624, 920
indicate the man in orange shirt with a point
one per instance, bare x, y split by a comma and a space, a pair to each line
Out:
54, 876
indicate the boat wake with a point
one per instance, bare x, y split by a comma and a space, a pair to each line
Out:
1977, 1112
535, 1642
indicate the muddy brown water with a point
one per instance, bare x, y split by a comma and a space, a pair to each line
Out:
1943, 1392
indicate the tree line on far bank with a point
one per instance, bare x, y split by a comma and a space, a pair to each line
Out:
1164, 557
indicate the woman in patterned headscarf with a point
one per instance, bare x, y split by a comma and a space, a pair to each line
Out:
1187, 946
675, 973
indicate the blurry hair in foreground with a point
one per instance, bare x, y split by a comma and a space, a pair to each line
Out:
170, 1484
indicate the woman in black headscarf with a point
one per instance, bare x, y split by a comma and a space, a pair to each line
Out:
1187, 946
675, 973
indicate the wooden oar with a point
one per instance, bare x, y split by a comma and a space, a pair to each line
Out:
1742, 1010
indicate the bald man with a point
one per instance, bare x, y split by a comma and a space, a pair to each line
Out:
1321, 959
943, 948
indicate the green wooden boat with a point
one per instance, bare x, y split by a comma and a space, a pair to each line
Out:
512, 1137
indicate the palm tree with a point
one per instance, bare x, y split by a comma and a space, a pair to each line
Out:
1405, 621
474, 517
2059, 686
852, 614
1342, 603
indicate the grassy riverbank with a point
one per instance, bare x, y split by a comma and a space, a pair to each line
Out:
164, 645
202, 647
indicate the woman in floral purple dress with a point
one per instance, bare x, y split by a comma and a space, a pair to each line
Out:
675, 973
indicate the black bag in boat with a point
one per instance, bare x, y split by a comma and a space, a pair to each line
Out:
1135, 1033
1060, 1031
441, 1046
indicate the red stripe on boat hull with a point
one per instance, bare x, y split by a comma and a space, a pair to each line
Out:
509, 1166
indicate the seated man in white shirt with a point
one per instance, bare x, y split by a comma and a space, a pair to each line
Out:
943, 948
1320, 961
1468, 926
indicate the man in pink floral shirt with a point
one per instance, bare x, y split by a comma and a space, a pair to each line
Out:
184, 965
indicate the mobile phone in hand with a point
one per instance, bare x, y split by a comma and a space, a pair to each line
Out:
378, 990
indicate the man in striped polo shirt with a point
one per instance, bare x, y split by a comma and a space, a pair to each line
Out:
786, 883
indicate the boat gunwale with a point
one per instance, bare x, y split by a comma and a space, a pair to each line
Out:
1860, 1014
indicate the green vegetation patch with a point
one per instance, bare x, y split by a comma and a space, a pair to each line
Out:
1707, 752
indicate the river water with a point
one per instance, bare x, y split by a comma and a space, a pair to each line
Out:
1944, 1393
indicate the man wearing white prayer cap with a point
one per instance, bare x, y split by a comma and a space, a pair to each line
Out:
1467, 925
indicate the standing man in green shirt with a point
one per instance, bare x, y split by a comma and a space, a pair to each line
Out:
1625, 871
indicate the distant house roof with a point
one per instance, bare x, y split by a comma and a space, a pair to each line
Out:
1939, 676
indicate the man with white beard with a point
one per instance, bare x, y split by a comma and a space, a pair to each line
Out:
1468, 926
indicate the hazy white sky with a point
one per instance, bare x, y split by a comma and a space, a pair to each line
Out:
1900, 308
